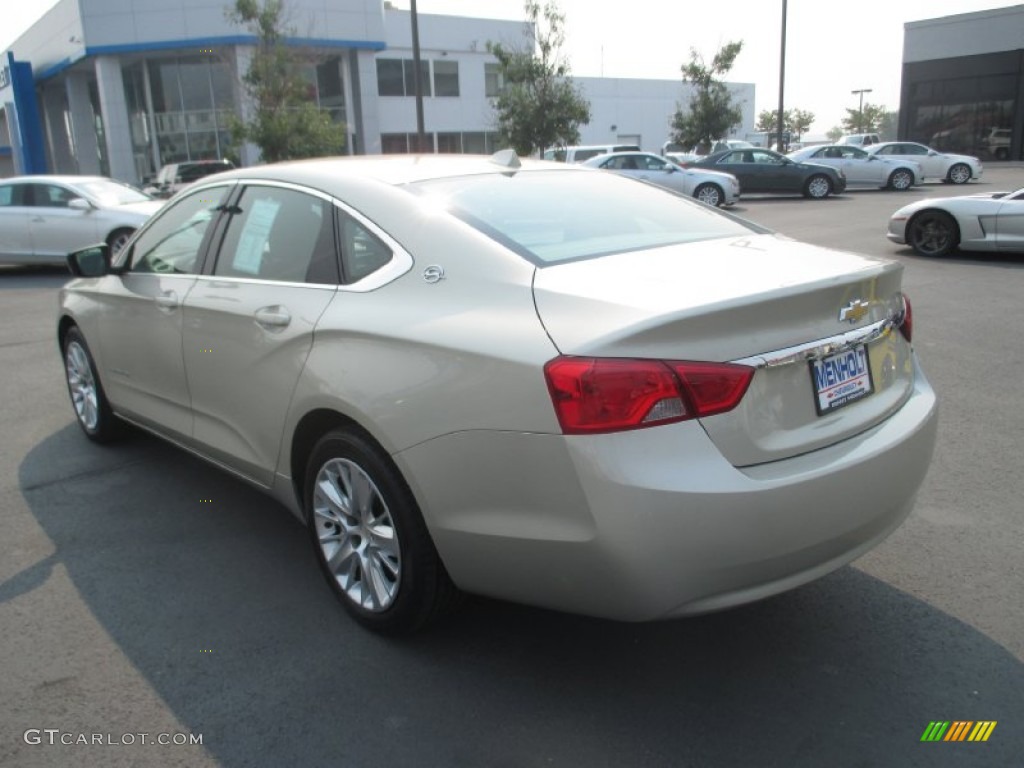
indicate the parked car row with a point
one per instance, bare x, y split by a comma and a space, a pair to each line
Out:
711, 187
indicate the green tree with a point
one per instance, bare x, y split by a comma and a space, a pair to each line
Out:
867, 120
285, 123
539, 105
796, 121
711, 114
835, 133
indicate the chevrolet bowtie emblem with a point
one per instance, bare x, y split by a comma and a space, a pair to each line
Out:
853, 311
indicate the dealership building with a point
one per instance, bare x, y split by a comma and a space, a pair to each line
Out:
121, 88
963, 83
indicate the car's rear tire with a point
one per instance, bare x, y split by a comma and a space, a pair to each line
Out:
711, 194
117, 239
1002, 153
818, 187
959, 173
933, 233
92, 410
369, 536
901, 179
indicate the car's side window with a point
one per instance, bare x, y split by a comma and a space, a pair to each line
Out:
914, 149
654, 163
171, 242
6, 195
280, 234
889, 150
50, 196
362, 252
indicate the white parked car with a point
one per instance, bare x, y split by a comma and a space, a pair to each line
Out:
711, 187
993, 222
529, 380
44, 218
862, 168
943, 166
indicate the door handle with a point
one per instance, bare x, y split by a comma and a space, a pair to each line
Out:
273, 317
166, 300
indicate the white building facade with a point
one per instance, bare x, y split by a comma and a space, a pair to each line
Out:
122, 87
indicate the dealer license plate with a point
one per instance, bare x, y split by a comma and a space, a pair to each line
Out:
841, 379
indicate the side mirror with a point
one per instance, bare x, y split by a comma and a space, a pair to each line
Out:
79, 204
932, 153
93, 261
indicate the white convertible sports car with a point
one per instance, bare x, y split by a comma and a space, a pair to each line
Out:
993, 221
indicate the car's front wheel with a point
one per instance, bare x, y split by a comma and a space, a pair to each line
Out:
118, 238
933, 233
710, 193
92, 410
818, 187
901, 180
959, 173
370, 538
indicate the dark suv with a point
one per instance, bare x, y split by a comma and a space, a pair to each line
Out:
177, 176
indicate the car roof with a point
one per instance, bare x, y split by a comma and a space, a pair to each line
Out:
395, 170
56, 179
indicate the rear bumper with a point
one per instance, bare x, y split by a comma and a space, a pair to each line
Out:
655, 523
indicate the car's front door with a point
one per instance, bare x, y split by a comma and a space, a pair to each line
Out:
1010, 224
15, 231
56, 229
249, 322
141, 324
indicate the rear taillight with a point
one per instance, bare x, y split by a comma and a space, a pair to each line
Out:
594, 395
906, 318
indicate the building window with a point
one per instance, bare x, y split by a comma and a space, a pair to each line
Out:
389, 78
494, 80
404, 143
449, 143
446, 78
397, 77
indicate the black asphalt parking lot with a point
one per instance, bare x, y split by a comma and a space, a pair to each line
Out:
143, 592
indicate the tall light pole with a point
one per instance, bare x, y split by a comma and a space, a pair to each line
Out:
782, 82
860, 109
421, 138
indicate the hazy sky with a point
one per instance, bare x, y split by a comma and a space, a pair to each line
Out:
832, 47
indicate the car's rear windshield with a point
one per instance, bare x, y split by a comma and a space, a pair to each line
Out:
555, 216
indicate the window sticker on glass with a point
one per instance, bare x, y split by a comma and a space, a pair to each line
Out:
255, 234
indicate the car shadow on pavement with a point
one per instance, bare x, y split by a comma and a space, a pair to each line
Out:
211, 591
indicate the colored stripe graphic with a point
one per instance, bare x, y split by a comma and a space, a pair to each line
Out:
958, 730
935, 730
982, 730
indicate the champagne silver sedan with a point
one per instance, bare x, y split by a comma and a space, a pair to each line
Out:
542, 383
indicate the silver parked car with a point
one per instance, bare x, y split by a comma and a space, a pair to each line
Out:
711, 187
942, 166
862, 168
42, 218
529, 380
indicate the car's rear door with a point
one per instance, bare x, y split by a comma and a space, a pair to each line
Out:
249, 322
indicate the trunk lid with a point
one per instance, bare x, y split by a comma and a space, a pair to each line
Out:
763, 300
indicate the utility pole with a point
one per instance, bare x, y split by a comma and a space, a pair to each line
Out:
782, 83
421, 138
